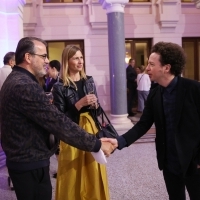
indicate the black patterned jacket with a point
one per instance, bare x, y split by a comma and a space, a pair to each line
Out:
27, 118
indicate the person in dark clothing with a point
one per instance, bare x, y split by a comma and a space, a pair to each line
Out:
173, 105
53, 73
131, 77
27, 118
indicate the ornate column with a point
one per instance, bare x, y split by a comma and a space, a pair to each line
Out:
11, 19
197, 3
116, 45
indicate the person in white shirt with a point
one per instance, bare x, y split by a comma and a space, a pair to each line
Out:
143, 87
9, 62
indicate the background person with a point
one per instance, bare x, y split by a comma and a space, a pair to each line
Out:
79, 176
27, 119
143, 87
9, 62
53, 72
131, 77
173, 105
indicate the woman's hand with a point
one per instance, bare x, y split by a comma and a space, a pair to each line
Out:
89, 99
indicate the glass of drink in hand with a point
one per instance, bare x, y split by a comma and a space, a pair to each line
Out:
50, 97
90, 89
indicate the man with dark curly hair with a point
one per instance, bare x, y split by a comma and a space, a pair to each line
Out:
174, 106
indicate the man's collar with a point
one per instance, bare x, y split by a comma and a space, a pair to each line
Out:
21, 69
172, 85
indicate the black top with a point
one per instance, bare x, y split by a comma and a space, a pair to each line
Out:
169, 99
131, 77
81, 93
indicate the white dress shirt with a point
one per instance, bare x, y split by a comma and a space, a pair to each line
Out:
4, 72
143, 82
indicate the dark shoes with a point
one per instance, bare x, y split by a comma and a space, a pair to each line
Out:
55, 175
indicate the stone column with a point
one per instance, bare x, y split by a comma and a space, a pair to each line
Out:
197, 3
11, 19
116, 45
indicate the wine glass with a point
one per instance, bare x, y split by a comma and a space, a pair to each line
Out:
49, 96
90, 90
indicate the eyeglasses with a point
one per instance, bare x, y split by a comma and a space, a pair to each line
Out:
44, 56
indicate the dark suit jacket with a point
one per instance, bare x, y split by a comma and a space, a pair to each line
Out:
50, 85
131, 76
187, 124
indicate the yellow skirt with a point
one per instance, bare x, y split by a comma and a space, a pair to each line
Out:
79, 176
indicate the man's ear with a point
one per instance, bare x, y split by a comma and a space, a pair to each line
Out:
27, 57
168, 67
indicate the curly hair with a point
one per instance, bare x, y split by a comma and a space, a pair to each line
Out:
171, 53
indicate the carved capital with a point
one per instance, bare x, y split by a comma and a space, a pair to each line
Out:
197, 3
168, 21
113, 5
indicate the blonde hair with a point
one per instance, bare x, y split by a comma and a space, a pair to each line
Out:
68, 52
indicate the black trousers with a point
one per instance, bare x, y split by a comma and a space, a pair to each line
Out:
32, 185
132, 99
176, 186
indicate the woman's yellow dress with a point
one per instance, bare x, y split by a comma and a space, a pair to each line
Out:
79, 176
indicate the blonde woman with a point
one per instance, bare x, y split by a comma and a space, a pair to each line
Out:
79, 176
143, 87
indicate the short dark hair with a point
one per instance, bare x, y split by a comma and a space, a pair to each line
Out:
171, 53
56, 64
130, 60
9, 56
26, 45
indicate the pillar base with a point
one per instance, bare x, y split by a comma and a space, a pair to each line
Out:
121, 123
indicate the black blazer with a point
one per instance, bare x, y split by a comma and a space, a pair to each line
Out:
131, 77
187, 118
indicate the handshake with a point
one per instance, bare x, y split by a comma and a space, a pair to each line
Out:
108, 145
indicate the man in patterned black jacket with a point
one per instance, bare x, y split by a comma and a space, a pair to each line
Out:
27, 118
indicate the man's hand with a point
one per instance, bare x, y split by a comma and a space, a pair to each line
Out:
107, 148
198, 166
113, 141
108, 145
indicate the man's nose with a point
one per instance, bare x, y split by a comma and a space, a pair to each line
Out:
46, 60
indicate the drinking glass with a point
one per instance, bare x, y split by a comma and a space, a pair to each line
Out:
49, 96
90, 90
